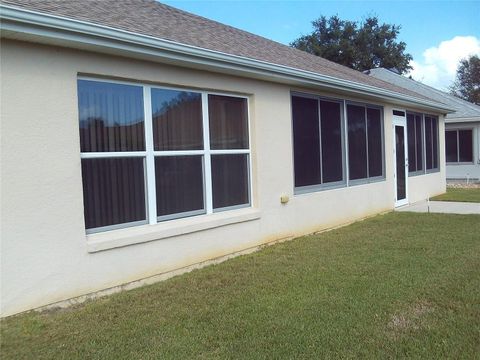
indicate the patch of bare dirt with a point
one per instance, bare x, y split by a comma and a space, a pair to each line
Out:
410, 319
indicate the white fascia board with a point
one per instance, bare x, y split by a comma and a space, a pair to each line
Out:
77, 33
462, 120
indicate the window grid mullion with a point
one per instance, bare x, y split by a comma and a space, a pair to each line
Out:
207, 155
150, 157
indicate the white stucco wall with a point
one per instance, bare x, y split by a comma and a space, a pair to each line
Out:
466, 171
44, 252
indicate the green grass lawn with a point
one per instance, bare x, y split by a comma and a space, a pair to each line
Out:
397, 285
459, 194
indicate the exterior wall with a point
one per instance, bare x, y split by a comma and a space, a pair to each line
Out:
466, 171
46, 256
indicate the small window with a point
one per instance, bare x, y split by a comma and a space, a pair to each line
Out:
459, 146
125, 148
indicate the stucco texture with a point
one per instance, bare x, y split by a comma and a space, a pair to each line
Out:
44, 254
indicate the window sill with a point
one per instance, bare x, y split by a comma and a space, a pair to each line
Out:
145, 233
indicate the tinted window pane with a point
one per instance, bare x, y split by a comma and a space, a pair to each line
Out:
228, 122
419, 142
113, 191
451, 146
412, 166
111, 117
306, 143
465, 142
331, 129
177, 120
229, 180
435, 142
428, 142
179, 184
375, 163
357, 146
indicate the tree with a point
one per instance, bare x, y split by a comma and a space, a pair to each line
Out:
360, 46
467, 81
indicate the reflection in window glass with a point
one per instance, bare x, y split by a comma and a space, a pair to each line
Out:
113, 191
111, 117
177, 120
228, 122
428, 143
230, 180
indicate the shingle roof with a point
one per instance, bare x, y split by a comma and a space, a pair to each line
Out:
464, 109
152, 18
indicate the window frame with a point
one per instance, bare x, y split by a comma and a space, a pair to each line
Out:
149, 155
346, 182
298, 190
457, 130
367, 106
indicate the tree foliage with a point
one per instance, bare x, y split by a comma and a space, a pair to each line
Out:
467, 81
358, 45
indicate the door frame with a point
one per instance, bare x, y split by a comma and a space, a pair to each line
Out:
400, 121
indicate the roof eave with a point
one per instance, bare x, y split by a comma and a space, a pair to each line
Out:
75, 32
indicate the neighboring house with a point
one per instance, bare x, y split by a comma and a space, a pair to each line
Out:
462, 128
138, 139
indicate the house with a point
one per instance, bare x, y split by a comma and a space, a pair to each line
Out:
462, 128
139, 140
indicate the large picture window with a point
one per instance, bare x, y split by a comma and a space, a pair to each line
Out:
459, 146
151, 154
318, 141
322, 135
365, 142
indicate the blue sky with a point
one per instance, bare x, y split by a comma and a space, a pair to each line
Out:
447, 30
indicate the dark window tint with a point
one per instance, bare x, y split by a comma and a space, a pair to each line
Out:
179, 184
400, 161
435, 143
331, 130
428, 143
415, 142
375, 161
411, 137
230, 180
306, 142
113, 191
228, 122
111, 117
357, 146
419, 142
465, 144
177, 120
451, 146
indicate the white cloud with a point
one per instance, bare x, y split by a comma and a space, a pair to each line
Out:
439, 64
